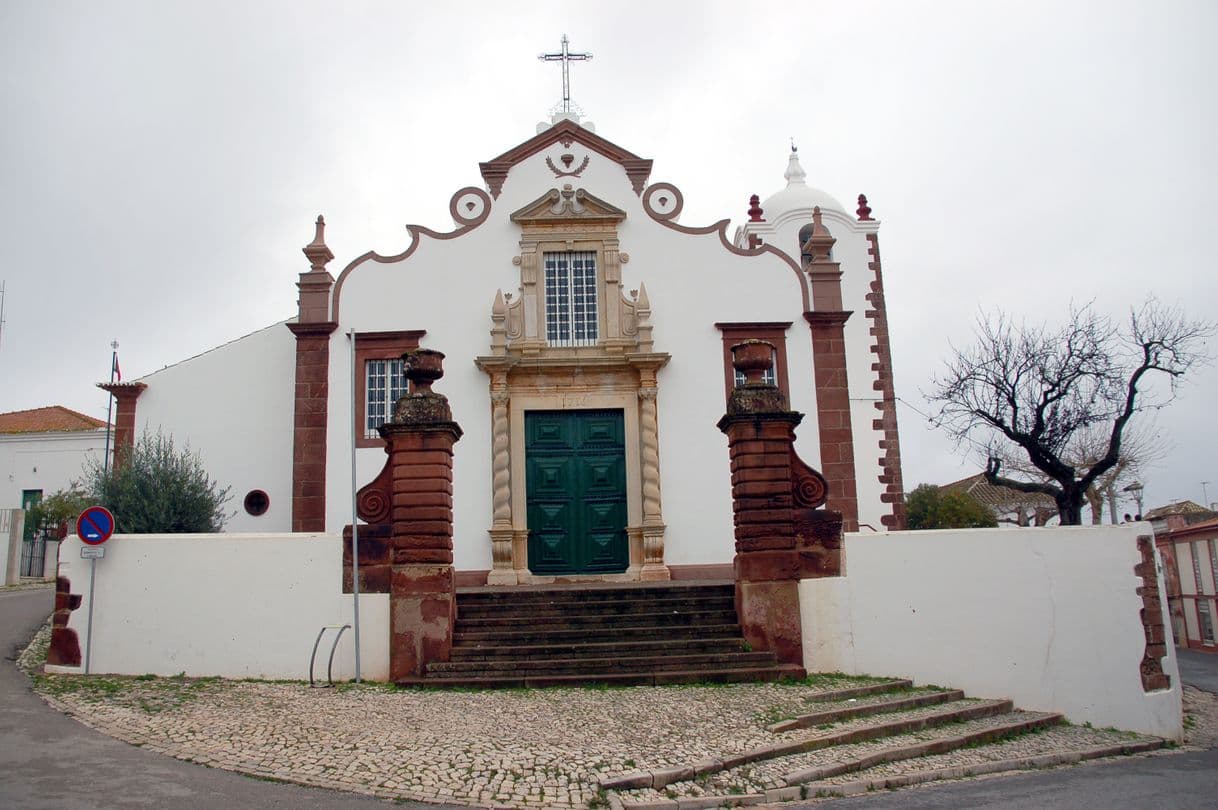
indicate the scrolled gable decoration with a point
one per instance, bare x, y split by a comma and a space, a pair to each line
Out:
534, 364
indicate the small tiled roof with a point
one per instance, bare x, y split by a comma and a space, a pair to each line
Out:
1177, 508
997, 497
51, 419
1203, 527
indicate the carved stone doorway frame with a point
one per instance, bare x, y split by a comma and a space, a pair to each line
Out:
528, 374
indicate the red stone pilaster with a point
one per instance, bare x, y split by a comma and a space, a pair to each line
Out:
125, 396
833, 413
309, 425
890, 463
781, 535
312, 329
409, 507
828, 320
1153, 676
65, 645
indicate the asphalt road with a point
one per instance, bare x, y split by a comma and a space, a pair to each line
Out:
1199, 669
48, 760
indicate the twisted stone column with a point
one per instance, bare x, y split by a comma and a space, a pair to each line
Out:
653, 519
502, 571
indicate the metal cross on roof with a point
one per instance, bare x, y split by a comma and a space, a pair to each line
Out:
566, 57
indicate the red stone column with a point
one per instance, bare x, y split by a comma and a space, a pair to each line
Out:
125, 396
422, 590
781, 536
309, 425
833, 412
312, 329
828, 321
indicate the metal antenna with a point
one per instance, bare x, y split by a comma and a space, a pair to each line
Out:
1, 311
566, 57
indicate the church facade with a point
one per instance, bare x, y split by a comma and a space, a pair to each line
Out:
586, 334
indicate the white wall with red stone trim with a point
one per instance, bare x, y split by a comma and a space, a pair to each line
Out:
233, 605
448, 287
1049, 617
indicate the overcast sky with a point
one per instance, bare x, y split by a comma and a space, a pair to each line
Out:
161, 163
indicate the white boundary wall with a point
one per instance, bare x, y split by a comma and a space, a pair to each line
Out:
1049, 617
233, 605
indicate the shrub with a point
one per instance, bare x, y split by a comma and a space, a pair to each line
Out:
155, 488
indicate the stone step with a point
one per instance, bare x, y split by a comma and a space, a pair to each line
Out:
592, 592
548, 636
528, 611
573, 621
814, 742
895, 704
651, 646
577, 665
695, 675
809, 782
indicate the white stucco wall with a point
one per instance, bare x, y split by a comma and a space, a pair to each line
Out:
233, 605
46, 461
235, 405
1049, 617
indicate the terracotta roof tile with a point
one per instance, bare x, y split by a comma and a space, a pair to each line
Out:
1177, 508
999, 497
51, 419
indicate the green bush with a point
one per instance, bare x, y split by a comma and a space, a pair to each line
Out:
58, 508
928, 507
154, 488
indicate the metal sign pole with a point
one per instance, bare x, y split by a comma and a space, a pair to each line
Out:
354, 512
89, 628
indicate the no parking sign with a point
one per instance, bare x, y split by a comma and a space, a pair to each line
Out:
95, 525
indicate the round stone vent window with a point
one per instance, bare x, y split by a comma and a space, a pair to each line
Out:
257, 502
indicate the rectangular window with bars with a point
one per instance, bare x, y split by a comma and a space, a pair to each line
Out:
384, 383
571, 312
1206, 620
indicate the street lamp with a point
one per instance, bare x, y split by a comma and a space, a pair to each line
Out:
1135, 489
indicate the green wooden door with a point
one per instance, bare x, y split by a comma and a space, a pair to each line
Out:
576, 488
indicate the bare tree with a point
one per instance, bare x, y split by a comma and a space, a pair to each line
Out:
1044, 389
1141, 447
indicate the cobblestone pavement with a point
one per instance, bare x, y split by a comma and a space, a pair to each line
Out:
539, 748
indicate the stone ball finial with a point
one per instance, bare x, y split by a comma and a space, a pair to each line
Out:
755, 211
864, 211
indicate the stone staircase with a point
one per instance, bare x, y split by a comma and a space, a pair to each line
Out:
877, 736
645, 634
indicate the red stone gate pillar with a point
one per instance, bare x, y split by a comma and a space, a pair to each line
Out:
781, 534
422, 592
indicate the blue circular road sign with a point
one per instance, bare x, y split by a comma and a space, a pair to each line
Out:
95, 525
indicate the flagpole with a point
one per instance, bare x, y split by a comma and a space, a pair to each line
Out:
110, 405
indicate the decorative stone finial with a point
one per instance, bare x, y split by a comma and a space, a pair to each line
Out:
316, 251
753, 358
421, 406
864, 211
755, 211
819, 247
423, 367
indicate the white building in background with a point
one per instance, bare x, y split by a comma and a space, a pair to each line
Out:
42, 450
587, 334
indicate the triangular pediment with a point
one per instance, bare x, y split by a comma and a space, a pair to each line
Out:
566, 132
566, 205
